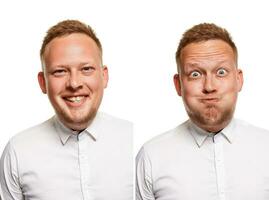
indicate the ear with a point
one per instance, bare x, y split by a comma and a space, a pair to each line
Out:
240, 79
105, 75
177, 84
42, 82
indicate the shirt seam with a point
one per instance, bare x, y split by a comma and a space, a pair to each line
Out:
151, 173
17, 163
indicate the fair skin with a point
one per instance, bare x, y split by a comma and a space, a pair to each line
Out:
209, 82
73, 78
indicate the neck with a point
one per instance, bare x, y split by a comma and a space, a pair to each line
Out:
213, 128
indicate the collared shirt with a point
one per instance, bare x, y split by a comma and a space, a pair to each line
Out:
52, 162
187, 163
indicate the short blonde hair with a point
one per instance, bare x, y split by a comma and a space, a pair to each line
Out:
68, 27
204, 32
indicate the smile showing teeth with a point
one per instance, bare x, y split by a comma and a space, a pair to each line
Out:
75, 99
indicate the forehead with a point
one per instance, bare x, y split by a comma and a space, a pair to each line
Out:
70, 46
206, 52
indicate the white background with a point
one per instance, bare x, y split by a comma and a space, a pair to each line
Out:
139, 40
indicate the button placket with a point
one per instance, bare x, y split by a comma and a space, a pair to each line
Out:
219, 165
84, 165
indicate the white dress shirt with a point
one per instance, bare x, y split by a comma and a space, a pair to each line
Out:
187, 163
52, 162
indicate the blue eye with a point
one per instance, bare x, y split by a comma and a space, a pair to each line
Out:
222, 72
195, 74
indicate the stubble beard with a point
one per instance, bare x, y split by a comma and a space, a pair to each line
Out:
212, 118
78, 120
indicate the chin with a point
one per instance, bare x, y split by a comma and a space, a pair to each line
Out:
212, 120
81, 119
76, 119
76, 123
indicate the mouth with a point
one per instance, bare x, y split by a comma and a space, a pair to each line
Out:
209, 100
75, 101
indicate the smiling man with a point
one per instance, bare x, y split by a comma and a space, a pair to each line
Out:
79, 153
211, 155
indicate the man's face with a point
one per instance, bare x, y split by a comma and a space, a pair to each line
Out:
208, 83
73, 78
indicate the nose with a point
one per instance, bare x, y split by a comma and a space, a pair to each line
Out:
209, 85
74, 82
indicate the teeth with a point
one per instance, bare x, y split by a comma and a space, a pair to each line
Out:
75, 99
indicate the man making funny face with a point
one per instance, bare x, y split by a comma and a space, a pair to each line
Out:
212, 155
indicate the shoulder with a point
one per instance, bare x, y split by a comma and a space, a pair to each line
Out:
33, 134
168, 136
241, 125
110, 128
114, 123
251, 132
27, 141
113, 119
167, 141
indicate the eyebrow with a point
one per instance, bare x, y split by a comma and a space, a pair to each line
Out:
65, 66
189, 66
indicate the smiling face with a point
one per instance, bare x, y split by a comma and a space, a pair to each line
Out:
73, 78
209, 82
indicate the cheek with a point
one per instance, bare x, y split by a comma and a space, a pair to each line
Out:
55, 86
189, 95
191, 89
229, 91
95, 84
230, 94
229, 87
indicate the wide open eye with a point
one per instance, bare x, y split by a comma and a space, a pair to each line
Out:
222, 72
195, 74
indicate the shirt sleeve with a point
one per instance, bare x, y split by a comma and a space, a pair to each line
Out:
9, 182
144, 187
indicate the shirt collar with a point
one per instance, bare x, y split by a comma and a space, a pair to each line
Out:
198, 134
201, 135
92, 130
96, 126
228, 132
